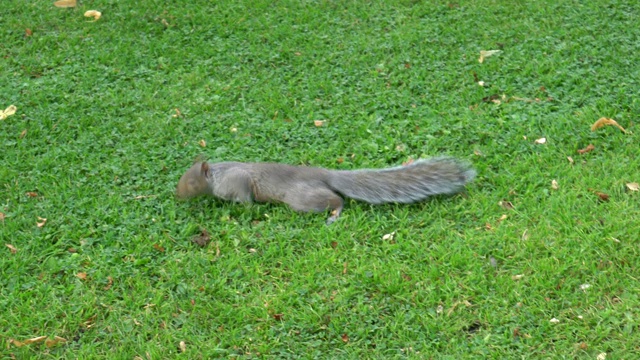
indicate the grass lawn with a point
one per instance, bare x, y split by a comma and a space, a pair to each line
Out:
110, 113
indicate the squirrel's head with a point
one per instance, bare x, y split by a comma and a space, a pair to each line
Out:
194, 181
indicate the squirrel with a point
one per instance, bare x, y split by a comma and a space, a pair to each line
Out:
317, 189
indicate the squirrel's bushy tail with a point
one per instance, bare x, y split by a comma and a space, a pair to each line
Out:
403, 184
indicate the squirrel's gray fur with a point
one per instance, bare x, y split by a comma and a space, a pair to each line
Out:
316, 189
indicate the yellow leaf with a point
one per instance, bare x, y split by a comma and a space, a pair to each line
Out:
487, 53
8, 112
318, 123
65, 3
202, 143
606, 121
633, 186
41, 222
541, 141
95, 14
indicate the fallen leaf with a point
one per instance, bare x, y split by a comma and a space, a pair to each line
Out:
202, 143
481, 83
233, 129
65, 3
487, 53
23, 133
28, 32
604, 122
345, 338
158, 247
388, 236
583, 346
570, 159
345, 267
203, 239
601, 356
505, 204
554, 321
183, 346
278, 316
554, 184
318, 123
589, 147
8, 112
109, 283
81, 275
177, 114
541, 141
633, 186
32, 194
2, 216
28, 341
602, 196
11, 248
525, 235
95, 14
517, 277
502, 218
55, 341
41, 222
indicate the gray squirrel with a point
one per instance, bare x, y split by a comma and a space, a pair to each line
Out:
317, 189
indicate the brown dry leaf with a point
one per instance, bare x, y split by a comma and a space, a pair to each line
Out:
603, 121
158, 247
23, 133
278, 317
183, 346
12, 248
177, 114
554, 184
28, 341
487, 53
55, 341
589, 147
345, 267
8, 112
345, 338
2, 216
203, 239
633, 186
81, 275
109, 283
602, 196
41, 222
202, 143
95, 14
541, 141
32, 194
65, 3
318, 123
28, 32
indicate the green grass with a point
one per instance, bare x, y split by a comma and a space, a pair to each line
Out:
394, 80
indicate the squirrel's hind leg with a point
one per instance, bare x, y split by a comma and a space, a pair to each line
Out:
317, 200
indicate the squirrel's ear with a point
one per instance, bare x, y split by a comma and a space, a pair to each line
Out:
204, 169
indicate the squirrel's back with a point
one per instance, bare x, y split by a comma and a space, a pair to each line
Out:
403, 184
